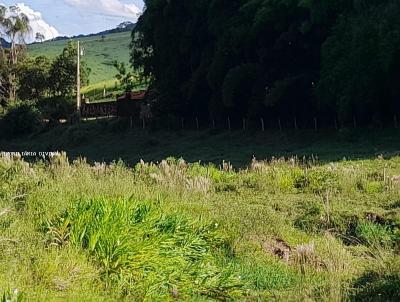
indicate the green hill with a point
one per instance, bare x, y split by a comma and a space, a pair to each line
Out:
99, 54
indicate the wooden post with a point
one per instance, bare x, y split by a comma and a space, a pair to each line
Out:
295, 122
78, 82
315, 124
262, 125
213, 124
244, 124
197, 123
384, 176
182, 123
280, 124
131, 122
354, 122
104, 92
144, 123
229, 123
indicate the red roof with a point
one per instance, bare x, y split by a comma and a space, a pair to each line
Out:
134, 96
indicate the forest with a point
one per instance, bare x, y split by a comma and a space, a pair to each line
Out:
299, 60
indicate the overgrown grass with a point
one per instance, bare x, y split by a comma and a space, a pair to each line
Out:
283, 229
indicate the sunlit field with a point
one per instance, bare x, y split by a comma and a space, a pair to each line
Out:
286, 229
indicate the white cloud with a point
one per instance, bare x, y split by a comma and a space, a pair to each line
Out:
112, 8
37, 24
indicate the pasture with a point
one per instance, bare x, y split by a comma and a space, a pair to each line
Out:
286, 229
99, 54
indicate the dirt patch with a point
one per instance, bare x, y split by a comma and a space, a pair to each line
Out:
279, 248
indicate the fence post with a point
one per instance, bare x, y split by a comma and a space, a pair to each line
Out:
182, 123
295, 123
262, 125
197, 123
280, 124
144, 123
354, 122
229, 123
315, 124
213, 124
244, 124
131, 122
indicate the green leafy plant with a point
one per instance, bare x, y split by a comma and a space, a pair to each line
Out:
147, 252
21, 118
375, 234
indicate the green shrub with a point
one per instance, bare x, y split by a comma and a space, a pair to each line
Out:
291, 179
321, 180
311, 218
370, 187
148, 253
56, 108
21, 118
375, 234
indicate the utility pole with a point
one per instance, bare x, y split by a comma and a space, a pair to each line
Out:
78, 83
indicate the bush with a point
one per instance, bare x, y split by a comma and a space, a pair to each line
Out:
21, 118
147, 252
375, 234
56, 108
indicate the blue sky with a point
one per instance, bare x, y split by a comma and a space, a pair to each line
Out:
73, 17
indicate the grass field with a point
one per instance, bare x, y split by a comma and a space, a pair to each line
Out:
98, 54
294, 229
289, 229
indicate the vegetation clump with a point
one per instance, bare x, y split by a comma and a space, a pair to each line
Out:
146, 253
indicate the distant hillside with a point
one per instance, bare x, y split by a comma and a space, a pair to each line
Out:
123, 27
100, 51
4, 43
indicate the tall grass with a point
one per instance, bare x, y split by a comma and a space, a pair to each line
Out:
285, 229
149, 254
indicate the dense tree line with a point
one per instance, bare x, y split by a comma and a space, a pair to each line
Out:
296, 59
40, 77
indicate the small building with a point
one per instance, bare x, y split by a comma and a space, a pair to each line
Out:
134, 104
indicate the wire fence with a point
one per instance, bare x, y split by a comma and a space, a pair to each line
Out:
239, 124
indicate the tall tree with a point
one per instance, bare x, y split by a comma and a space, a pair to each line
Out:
125, 77
64, 70
361, 62
34, 78
39, 37
297, 59
15, 26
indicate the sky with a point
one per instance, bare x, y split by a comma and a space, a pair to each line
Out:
73, 17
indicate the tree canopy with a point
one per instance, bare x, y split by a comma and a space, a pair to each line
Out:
288, 58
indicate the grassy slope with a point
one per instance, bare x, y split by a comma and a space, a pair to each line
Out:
98, 54
338, 222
